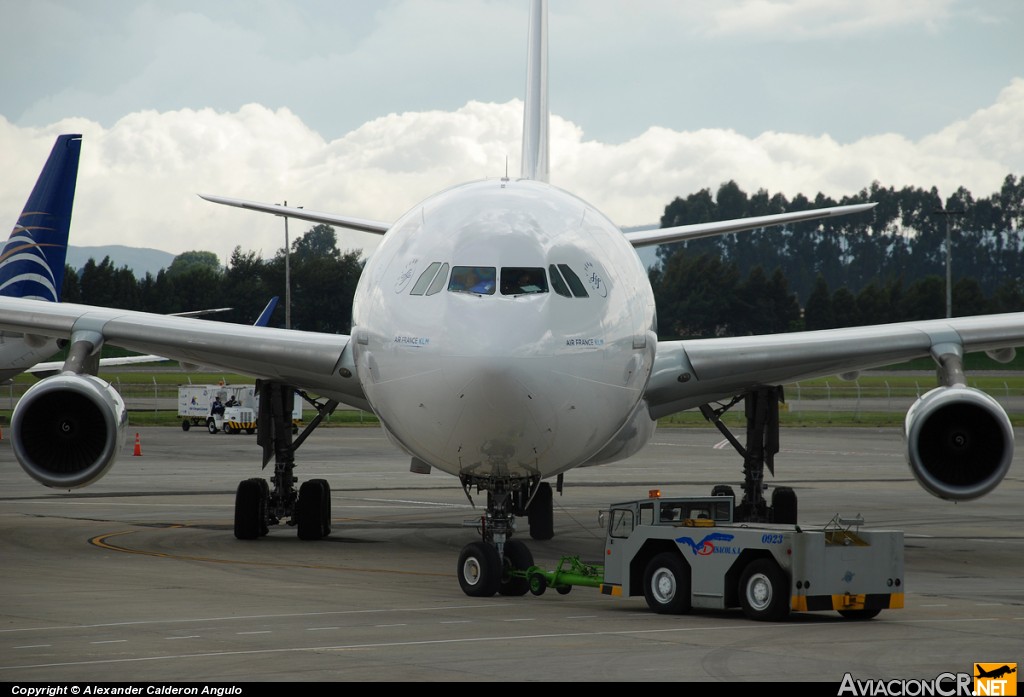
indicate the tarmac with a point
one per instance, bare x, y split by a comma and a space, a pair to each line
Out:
139, 578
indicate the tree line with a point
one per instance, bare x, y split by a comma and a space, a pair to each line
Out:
886, 265
323, 281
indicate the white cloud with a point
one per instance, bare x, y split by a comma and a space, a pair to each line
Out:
822, 18
139, 178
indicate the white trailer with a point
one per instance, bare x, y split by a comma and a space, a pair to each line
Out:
196, 408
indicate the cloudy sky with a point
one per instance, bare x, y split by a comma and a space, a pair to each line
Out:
364, 108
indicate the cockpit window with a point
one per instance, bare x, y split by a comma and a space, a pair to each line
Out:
520, 280
438, 285
425, 278
574, 281
558, 283
432, 279
473, 279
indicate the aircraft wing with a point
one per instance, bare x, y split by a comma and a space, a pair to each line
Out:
696, 231
42, 370
689, 373
375, 226
305, 359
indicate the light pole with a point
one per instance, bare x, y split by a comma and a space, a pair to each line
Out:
288, 276
949, 259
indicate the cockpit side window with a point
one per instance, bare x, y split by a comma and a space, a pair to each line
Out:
521, 280
574, 281
473, 279
557, 282
438, 285
425, 278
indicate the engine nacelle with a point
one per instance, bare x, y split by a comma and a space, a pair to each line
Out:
959, 442
67, 430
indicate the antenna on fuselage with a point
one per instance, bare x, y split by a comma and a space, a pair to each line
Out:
535, 106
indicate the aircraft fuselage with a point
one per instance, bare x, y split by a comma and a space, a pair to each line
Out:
506, 328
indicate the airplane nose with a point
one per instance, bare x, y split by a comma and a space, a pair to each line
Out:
503, 417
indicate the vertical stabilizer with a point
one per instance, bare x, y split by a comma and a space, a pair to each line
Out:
32, 261
535, 110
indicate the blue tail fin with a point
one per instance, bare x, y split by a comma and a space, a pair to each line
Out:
32, 261
264, 318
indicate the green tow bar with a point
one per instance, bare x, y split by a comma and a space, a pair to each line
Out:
570, 572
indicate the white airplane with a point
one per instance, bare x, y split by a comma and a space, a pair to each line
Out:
504, 333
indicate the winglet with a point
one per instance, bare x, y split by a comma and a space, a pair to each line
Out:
535, 106
264, 317
32, 261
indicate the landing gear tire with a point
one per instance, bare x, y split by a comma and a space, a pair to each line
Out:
517, 558
325, 513
264, 505
723, 490
860, 615
784, 505
309, 510
479, 570
541, 513
211, 426
250, 509
764, 592
667, 584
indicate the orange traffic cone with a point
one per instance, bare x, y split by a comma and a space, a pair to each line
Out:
138, 446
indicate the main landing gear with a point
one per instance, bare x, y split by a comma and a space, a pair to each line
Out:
761, 406
259, 503
485, 566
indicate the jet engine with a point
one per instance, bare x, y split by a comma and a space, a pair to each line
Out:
67, 430
959, 442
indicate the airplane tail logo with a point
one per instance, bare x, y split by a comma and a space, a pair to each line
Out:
32, 261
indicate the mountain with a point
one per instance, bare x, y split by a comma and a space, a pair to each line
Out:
139, 259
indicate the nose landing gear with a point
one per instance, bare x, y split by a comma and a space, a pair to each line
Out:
486, 567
